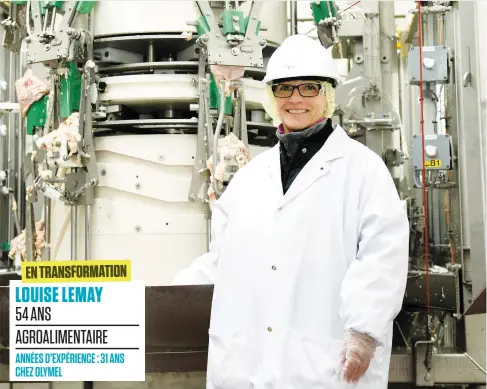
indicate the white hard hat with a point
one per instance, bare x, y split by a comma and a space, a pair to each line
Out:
300, 56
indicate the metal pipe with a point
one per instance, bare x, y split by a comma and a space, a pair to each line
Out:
47, 226
11, 149
294, 17
150, 53
88, 232
216, 136
21, 145
74, 224
4, 90
208, 235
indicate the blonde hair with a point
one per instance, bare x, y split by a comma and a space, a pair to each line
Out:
270, 104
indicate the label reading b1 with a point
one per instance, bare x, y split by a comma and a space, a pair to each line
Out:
77, 331
433, 163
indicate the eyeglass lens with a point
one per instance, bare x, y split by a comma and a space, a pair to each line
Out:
305, 90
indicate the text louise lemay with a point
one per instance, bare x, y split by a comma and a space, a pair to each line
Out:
55, 294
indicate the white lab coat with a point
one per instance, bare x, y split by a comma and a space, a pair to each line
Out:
292, 272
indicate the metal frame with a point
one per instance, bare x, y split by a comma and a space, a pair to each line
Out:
469, 128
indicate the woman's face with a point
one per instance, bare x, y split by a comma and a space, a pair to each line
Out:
302, 108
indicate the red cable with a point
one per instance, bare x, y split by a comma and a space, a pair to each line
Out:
425, 198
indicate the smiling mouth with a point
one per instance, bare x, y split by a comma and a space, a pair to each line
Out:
296, 111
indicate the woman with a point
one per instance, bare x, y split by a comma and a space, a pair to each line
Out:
309, 251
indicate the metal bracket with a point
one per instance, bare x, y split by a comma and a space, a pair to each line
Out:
203, 139
423, 373
220, 52
393, 157
54, 45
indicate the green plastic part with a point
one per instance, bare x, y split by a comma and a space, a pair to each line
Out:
323, 10
233, 22
45, 4
215, 98
19, 2
37, 115
70, 91
5, 246
49, 3
85, 6
257, 30
202, 26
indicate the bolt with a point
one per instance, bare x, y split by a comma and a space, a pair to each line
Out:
137, 186
47, 47
103, 172
138, 228
192, 197
448, 166
427, 377
161, 158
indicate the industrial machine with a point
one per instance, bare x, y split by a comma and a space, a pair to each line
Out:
121, 122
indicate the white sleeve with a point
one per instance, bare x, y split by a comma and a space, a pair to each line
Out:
203, 269
373, 288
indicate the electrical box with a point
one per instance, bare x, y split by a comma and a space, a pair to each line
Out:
435, 62
438, 154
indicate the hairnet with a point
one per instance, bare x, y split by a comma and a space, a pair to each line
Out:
270, 104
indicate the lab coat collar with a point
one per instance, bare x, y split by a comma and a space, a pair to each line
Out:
334, 148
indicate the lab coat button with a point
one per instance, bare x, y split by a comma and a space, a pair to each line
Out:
269, 329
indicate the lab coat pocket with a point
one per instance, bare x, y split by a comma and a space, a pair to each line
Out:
229, 361
310, 361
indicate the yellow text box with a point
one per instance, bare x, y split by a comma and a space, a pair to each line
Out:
76, 271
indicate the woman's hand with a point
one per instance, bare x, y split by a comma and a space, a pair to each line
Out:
356, 356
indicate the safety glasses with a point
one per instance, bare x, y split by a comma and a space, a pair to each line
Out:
305, 90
